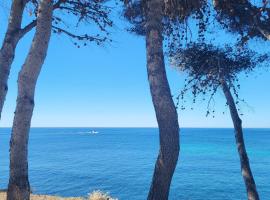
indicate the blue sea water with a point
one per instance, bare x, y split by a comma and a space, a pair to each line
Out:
72, 162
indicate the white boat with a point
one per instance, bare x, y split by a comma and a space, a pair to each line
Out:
93, 132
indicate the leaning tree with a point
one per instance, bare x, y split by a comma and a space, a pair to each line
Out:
19, 187
210, 68
166, 113
163, 22
81, 12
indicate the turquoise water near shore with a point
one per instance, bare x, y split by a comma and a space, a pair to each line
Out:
73, 162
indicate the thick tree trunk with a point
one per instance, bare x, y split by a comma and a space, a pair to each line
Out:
252, 193
18, 187
164, 106
10, 42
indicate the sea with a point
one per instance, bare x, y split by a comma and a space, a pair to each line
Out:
120, 161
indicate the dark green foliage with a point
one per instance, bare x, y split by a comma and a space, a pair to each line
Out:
174, 11
175, 19
69, 15
208, 66
248, 18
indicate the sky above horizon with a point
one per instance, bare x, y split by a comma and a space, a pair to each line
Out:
107, 87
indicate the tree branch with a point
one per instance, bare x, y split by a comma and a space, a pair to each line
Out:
32, 24
79, 37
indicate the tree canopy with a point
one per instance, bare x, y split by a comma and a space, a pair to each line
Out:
175, 19
68, 15
207, 66
248, 18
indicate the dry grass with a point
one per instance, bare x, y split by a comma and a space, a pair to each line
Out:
96, 195
42, 197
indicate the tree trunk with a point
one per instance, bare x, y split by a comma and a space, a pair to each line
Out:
18, 187
164, 106
10, 42
252, 193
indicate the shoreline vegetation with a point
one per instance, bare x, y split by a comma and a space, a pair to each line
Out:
95, 195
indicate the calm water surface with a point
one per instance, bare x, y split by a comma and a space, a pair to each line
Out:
72, 162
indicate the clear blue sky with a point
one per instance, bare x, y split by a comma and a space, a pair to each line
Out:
107, 87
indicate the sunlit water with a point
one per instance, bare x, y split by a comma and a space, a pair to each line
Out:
73, 162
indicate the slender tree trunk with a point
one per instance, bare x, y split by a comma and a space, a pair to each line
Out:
164, 106
18, 187
10, 42
252, 193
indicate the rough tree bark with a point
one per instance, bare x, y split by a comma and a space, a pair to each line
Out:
18, 187
252, 193
10, 42
164, 106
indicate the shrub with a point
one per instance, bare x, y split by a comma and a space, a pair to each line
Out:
98, 195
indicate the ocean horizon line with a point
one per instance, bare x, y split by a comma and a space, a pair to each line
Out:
150, 127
